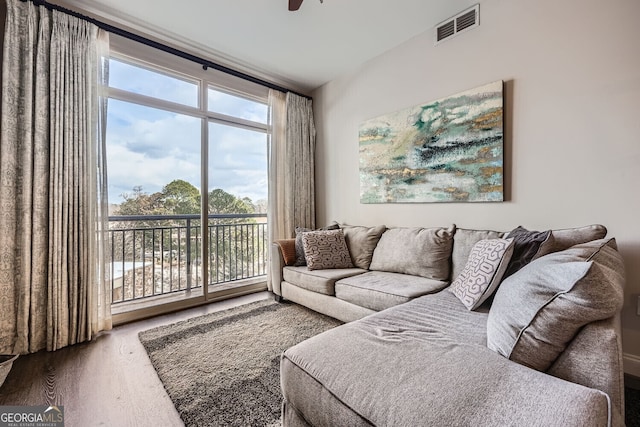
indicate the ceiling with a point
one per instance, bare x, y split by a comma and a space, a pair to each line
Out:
301, 50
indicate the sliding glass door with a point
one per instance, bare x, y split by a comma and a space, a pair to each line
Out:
184, 150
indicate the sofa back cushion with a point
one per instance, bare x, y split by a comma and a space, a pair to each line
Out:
463, 242
562, 239
361, 242
568, 237
538, 311
424, 252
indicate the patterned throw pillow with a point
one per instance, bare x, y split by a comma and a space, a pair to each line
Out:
300, 259
326, 249
483, 272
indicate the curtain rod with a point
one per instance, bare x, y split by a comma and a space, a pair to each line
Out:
129, 35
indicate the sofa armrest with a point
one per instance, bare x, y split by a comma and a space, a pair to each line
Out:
276, 263
594, 359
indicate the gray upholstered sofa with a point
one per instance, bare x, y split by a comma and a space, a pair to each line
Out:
417, 349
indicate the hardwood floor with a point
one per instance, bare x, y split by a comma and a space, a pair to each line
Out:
110, 381
107, 382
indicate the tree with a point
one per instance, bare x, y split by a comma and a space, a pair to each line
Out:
221, 202
180, 197
234, 243
261, 206
138, 203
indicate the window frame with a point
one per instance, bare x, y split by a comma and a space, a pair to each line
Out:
154, 60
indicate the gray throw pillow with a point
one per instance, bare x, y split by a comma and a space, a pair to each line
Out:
361, 242
326, 249
424, 252
300, 259
526, 245
538, 311
483, 272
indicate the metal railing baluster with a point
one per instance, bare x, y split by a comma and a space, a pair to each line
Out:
237, 252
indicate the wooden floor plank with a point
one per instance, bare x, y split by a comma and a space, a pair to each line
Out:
107, 382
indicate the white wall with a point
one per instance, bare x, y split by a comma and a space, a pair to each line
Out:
572, 130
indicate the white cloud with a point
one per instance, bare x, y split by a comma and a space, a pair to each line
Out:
150, 148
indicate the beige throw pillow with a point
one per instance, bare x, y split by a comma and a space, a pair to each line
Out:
326, 249
483, 272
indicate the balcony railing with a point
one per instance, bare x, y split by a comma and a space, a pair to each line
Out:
161, 254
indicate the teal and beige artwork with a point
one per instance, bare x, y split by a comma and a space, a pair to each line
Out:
448, 150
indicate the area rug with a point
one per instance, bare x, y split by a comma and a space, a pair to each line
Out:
223, 369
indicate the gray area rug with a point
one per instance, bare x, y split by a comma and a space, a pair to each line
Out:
223, 369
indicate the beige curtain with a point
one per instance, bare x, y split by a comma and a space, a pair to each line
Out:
299, 166
52, 222
291, 165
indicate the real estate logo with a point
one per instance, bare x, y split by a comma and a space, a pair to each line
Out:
32, 416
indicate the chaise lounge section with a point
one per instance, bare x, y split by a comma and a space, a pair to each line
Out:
544, 349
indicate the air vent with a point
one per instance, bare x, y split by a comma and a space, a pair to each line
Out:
463, 21
446, 30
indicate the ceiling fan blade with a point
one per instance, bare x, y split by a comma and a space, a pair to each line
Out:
294, 4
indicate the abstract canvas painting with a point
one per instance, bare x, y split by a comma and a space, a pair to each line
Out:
448, 150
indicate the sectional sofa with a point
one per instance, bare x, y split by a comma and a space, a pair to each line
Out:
452, 326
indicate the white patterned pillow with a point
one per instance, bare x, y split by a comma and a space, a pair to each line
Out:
483, 272
326, 249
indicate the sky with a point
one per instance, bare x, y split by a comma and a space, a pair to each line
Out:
149, 147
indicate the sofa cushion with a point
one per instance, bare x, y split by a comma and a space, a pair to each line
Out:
361, 242
379, 290
425, 363
537, 311
568, 237
481, 276
424, 252
326, 249
320, 281
463, 241
300, 259
526, 246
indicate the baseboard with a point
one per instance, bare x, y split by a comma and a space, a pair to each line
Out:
631, 364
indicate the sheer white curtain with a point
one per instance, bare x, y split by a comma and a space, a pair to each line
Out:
277, 226
291, 165
53, 287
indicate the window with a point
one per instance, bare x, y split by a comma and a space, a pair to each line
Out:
147, 148
165, 115
138, 79
231, 105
